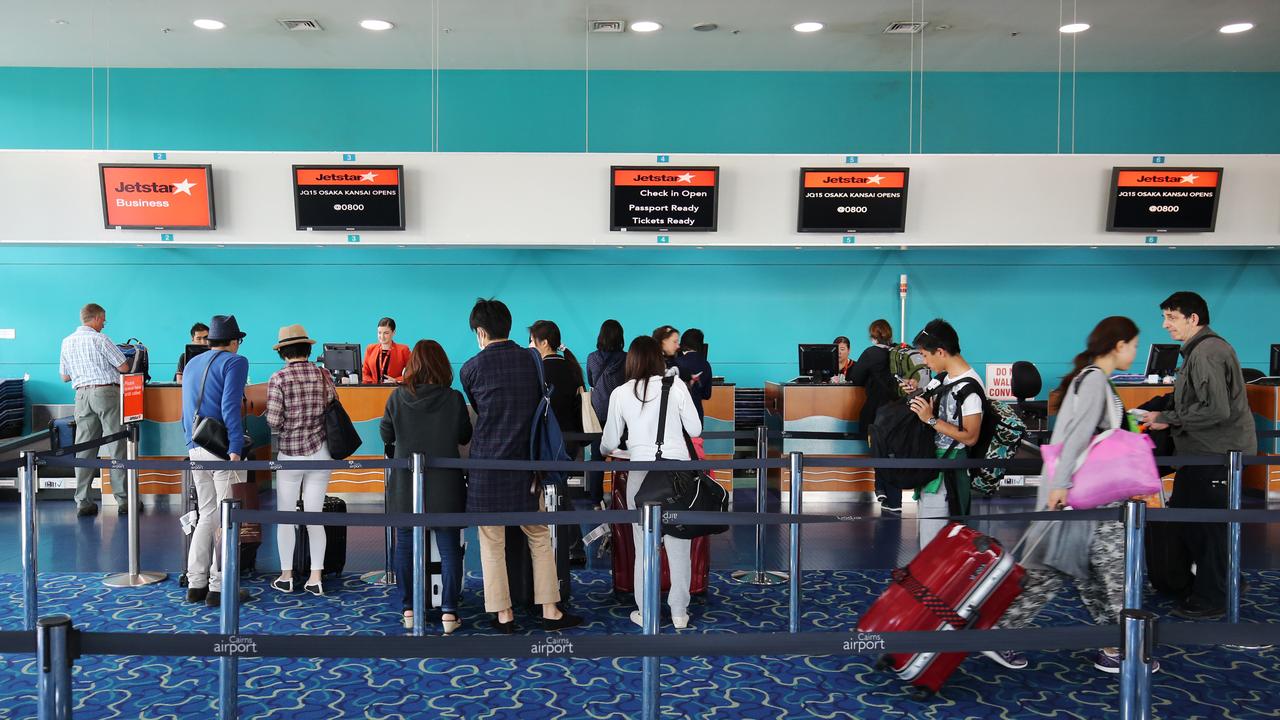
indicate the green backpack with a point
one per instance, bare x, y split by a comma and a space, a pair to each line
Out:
906, 362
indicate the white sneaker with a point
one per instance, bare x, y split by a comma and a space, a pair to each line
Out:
680, 621
637, 617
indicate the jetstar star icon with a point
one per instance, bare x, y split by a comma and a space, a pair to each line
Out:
183, 187
685, 178
875, 179
1190, 178
369, 176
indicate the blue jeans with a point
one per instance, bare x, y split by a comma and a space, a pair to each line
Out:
449, 541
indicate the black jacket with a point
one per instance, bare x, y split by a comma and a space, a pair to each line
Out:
871, 371
433, 421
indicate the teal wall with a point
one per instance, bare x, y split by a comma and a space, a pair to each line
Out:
631, 111
755, 305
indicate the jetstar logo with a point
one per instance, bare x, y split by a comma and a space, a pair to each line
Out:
665, 177
854, 178
153, 196
347, 176
154, 187
1168, 178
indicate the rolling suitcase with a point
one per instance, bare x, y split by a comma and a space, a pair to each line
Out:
335, 546
961, 580
622, 550
520, 562
250, 533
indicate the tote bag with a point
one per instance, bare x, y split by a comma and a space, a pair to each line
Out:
590, 422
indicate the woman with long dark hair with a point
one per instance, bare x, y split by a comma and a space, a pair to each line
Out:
635, 406
563, 374
1089, 553
426, 415
668, 339
606, 370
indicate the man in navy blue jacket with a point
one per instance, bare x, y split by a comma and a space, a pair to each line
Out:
216, 379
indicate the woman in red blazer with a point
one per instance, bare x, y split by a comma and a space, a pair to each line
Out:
384, 360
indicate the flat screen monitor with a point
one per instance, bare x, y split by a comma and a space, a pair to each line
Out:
341, 358
1164, 199
663, 199
157, 197
1275, 361
192, 351
819, 361
842, 200
1163, 359
348, 197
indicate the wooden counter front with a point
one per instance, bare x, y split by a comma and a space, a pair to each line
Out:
819, 408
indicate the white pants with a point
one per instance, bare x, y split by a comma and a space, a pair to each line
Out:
679, 558
311, 485
204, 567
932, 505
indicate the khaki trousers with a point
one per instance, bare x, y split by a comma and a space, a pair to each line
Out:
493, 565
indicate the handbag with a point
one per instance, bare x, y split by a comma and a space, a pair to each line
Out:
209, 433
691, 490
1118, 465
340, 434
590, 421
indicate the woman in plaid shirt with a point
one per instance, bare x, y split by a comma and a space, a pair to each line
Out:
297, 396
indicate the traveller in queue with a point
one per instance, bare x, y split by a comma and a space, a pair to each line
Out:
871, 372
425, 415
606, 370
385, 360
695, 371
199, 336
93, 364
669, 342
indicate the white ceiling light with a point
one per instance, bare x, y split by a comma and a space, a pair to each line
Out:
376, 25
1234, 28
1074, 28
208, 24
807, 27
646, 26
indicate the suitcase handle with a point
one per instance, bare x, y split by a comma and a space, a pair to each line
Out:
940, 608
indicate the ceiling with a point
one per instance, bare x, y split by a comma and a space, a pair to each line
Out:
982, 35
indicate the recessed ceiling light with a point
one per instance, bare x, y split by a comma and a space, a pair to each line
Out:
376, 25
64, 22
1234, 28
1074, 28
209, 24
807, 27
646, 26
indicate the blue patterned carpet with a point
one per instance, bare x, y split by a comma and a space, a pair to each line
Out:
1215, 683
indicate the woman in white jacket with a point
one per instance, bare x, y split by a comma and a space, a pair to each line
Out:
634, 405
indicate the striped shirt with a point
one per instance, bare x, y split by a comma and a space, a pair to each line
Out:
90, 358
297, 396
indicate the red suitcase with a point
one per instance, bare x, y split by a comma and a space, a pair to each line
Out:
623, 550
961, 580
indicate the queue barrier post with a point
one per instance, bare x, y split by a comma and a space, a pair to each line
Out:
387, 575
758, 575
229, 615
419, 549
54, 638
30, 588
1135, 664
1235, 488
797, 490
1135, 523
133, 502
650, 586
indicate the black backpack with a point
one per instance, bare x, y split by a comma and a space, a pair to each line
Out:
898, 433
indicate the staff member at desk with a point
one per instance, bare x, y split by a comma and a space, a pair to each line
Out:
385, 360
199, 336
844, 366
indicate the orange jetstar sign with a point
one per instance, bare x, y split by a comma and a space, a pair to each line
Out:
664, 177
837, 179
1168, 178
348, 176
160, 196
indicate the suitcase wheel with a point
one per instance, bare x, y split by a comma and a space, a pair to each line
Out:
182, 580
919, 694
983, 543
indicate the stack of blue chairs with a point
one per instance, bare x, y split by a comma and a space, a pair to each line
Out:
13, 407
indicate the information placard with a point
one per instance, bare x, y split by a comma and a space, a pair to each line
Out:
132, 387
157, 197
664, 199
839, 200
1164, 199
349, 197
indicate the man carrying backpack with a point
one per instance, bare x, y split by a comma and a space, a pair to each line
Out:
953, 408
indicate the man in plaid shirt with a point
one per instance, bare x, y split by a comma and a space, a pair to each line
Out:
92, 364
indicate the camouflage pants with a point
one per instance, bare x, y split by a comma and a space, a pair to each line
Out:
1102, 592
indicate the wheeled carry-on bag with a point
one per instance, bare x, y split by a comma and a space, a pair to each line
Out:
961, 580
335, 542
520, 562
623, 550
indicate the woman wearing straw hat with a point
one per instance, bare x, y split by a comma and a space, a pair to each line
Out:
297, 396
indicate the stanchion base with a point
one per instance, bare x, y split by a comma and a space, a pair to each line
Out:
379, 577
122, 580
752, 577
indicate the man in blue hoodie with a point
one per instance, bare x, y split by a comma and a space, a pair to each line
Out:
214, 381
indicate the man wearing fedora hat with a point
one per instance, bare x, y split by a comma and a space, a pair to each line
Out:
215, 380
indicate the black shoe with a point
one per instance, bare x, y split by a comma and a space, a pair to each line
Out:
1196, 609
506, 628
197, 595
87, 509
564, 622
122, 508
214, 598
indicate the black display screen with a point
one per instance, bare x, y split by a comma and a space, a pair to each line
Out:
663, 199
1164, 199
349, 197
840, 200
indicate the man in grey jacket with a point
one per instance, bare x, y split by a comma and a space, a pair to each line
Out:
1210, 415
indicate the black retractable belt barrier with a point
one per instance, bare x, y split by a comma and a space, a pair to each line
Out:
17, 642
86, 445
11, 465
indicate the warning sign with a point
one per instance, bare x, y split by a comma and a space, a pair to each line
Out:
1000, 381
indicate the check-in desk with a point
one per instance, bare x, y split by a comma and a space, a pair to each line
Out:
790, 407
